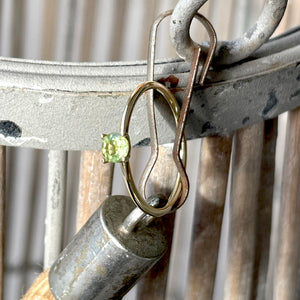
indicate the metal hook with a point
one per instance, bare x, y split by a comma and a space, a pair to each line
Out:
150, 105
187, 99
227, 52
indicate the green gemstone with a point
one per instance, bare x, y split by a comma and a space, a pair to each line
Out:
115, 147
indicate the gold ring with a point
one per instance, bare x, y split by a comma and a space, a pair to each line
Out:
133, 191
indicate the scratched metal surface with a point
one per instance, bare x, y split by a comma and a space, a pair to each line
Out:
67, 106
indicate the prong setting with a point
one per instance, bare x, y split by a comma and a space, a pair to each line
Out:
115, 147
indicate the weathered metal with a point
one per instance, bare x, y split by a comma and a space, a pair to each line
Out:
102, 262
231, 51
67, 106
57, 173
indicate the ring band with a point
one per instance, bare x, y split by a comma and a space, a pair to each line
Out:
133, 191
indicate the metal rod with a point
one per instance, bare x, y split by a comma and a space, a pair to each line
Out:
246, 166
2, 215
150, 104
89, 19
49, 15
208, 215
17, 30
55, 205
95, 185
288, 244
264, 211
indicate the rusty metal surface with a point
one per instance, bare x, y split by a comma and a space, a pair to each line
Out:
208, 216
287, 254
75, 103
230, 51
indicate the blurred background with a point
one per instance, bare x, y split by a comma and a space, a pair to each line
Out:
101, 31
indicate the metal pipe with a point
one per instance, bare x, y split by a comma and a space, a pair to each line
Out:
55, 206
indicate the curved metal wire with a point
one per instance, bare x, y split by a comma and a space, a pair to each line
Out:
150, 105
187, 100
227, 52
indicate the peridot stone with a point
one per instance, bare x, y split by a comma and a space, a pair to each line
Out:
115, 147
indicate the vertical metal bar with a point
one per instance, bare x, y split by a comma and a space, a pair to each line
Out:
2, 214
12, 45
57, 164
89, 24
211, 193
95, 176
118, 24
290, 19
153, 285
55, 206
264, 211
95, 185
51, 250
247, 262
208, 215
49, 28
288, 245
246, 163
17, 30
65, 50
29, 236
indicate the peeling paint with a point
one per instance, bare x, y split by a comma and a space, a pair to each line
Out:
46, 98
271, 103
19, 141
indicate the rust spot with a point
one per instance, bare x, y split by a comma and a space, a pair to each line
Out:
101, 271
170, 82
